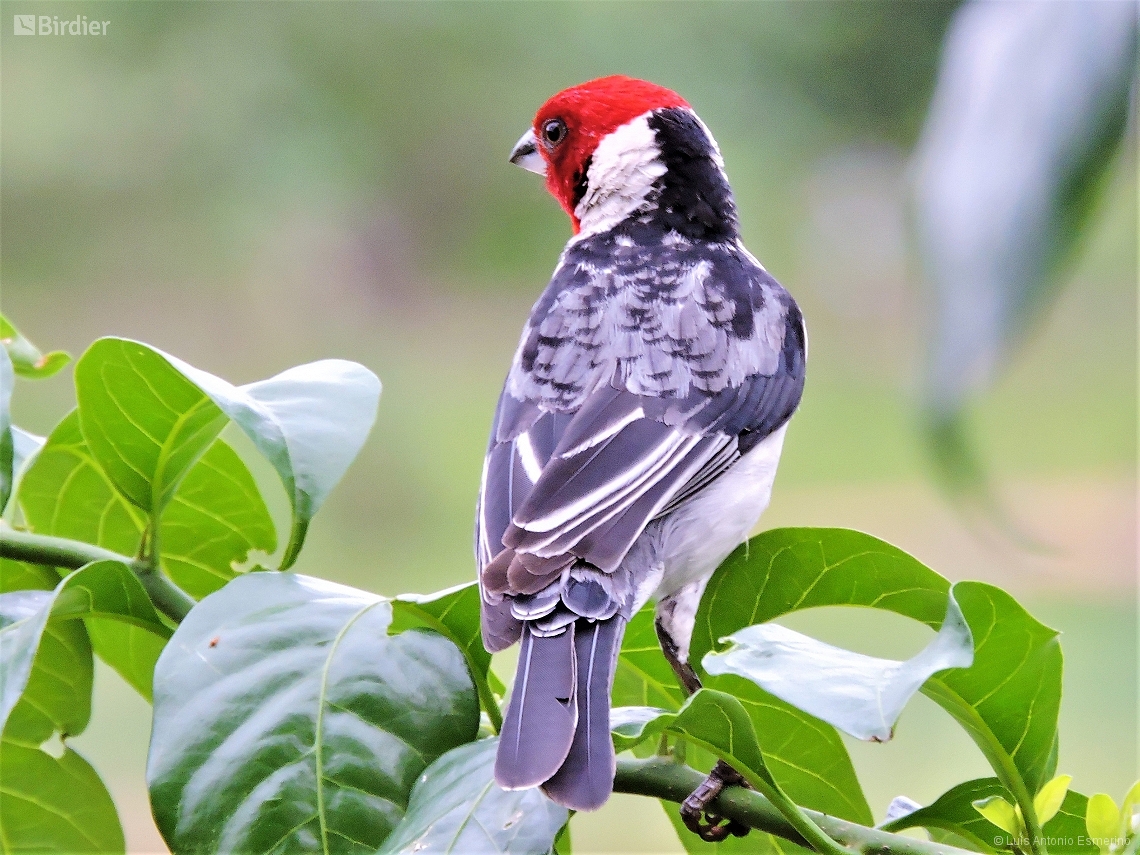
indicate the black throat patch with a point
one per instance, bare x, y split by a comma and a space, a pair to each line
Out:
694, 199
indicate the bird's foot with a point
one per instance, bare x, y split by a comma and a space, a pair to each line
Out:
707, 826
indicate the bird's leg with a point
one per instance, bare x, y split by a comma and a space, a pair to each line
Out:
686, 675
707, 826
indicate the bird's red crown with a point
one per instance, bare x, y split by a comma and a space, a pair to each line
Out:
570, 125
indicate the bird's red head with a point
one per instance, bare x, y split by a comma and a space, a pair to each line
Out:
569, 126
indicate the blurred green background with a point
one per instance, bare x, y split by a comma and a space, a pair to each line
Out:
251, 186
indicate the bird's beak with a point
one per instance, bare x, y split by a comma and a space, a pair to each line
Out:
525, 154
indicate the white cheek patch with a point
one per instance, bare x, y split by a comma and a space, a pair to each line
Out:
622, 172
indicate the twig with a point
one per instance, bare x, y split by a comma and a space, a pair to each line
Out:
49, 551
664, 779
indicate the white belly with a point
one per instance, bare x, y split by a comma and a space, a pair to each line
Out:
691, 542
675, 557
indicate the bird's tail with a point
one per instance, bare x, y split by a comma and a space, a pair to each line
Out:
557, 730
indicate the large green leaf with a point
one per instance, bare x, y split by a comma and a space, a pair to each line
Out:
55, 802
22, 576
719, 723
144, 422
288, 720
1007, 700
861, 695
45, 651
1010, 699
454, 613
954, 812
45, 670
26, 358
50, 804
806, 755
788, 569
456, 808
65, 493
25, 446
216, 518
310, 422
147, 416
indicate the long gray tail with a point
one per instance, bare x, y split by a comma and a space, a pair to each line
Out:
557, 729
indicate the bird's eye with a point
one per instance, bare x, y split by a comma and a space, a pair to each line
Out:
554, 131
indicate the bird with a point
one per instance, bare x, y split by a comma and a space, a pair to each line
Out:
639, 428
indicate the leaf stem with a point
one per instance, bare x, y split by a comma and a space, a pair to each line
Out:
49, 551
662, 779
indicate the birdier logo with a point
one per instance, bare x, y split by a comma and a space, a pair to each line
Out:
51, 25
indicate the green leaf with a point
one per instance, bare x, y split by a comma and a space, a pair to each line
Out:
46, 673
719, 723
25, 446
643, 676
954, 812
1102, 820
1001, 813
16, 445
144, 422
132, 652
1009, 700
66, 494
216, 518
46, 653
50, 804
287, 720
1050, 798
109, 590
22, 576
631, 726
25, 357
310, 422
456, 807
861, 695
1066, 831
786, 570
453, 613
806, 755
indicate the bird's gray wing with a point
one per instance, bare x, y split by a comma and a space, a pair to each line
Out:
561, 488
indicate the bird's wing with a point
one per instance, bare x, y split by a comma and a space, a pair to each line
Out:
559, 487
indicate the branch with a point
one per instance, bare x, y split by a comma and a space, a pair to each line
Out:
18, 545
664, 779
